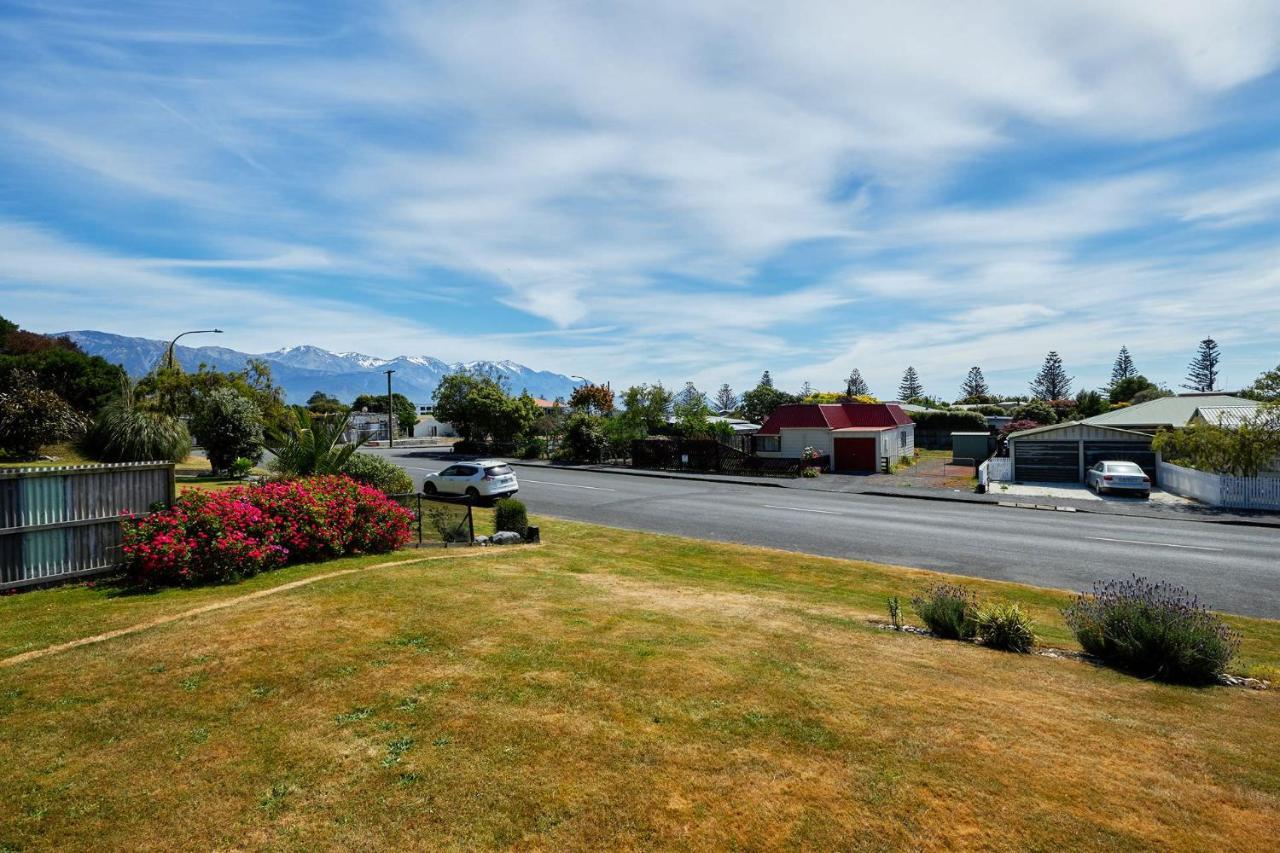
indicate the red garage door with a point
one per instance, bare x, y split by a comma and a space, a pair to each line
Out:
855, 454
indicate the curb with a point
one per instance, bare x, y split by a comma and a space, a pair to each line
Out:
658, 475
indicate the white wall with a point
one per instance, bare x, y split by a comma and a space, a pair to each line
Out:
794, 441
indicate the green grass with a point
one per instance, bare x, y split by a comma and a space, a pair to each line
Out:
610, 689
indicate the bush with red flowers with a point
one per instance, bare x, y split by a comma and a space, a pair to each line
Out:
220, 536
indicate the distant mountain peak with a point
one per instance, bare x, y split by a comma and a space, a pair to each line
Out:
303, 369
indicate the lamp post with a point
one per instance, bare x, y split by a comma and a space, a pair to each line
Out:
168, 362
391, 409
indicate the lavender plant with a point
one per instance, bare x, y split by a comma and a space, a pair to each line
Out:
948, 610
1154, 630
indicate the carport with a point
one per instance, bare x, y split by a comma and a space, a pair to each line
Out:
1061, 453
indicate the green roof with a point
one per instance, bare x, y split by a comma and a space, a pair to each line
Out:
1166, 411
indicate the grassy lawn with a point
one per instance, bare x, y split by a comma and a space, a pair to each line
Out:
610, 689
61, 454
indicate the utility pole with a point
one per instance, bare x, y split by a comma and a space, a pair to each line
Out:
391, 412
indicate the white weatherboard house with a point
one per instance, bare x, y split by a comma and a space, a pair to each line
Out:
856, 437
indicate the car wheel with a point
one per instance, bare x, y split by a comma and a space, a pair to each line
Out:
473, 492
428, 488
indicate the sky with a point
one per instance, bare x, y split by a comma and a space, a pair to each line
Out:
656, 190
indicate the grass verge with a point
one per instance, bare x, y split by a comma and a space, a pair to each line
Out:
610, 689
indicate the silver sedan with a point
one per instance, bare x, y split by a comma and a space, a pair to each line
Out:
1124, 477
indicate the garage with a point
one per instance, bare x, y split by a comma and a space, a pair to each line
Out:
855, 454
1061, 453
1047, 462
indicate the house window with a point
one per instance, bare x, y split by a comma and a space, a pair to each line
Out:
768, 443
902, 438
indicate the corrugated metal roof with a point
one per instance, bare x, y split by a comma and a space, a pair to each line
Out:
1072, 430
835, 416
1166, 411
1227, 416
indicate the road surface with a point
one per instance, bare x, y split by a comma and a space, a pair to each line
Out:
1236, 569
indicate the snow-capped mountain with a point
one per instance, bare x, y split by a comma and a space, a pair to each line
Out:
303, 370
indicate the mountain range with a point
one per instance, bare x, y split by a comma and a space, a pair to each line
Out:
303, 370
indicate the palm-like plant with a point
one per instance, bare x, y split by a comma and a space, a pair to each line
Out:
126, 430
314, 445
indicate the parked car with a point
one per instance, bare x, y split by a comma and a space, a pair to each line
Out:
1118, 477
486, 478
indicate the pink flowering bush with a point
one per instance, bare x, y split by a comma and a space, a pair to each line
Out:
220, 536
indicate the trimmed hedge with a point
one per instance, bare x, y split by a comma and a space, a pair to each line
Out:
510, 514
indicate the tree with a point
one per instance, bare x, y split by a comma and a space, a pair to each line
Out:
1124, 390
321, 403
1146, 395
127, 431
1202, 373
173, 390
584, 440
1123, 368
910, 388
482, 411
855, 385
766, 381
645, 409
726, 401
1036, 410
1242, 451
592, 399
975, 388
1052, 382
32, 417
228, 426
1089, 404
86, 382
6, 326
758, 403
690, 398
1266, 387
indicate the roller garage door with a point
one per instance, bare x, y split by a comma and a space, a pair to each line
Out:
1139, 452
855, 454
1046, 461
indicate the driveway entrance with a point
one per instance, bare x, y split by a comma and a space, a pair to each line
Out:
855, 454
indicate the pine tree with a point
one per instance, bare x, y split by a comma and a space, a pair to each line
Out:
975, 384
806, 389
1123, 368
855, 385
726, 400
1052, 382
1202, 373
766, 381
910, 387
691, 397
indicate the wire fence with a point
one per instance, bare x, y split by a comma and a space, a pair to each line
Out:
438, 519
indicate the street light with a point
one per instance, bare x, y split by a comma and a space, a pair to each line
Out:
391, 440
169, 358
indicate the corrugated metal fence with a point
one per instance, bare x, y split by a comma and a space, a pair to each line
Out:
1261, 492
65, 522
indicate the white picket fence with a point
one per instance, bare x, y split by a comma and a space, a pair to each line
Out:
1261, 492
995, 470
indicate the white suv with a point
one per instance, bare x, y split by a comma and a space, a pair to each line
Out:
485, 478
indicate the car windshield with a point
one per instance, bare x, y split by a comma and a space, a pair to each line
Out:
498, 470
1124, 468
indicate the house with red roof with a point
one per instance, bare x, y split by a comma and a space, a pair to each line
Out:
856, 437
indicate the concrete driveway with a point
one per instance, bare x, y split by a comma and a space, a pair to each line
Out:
1080, 492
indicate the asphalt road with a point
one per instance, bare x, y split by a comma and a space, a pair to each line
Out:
1236, 569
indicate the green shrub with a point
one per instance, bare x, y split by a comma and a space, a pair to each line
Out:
124, 431
380, 473
228, 426
510, 514
533, 448
241, 467
31, 416
948, 610
583, 440
1005, 627
810, 472
1154, 630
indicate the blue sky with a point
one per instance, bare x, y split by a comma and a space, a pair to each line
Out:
655, 191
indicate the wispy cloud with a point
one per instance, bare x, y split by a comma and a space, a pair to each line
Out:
658, 190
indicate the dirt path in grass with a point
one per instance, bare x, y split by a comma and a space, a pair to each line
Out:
35, 654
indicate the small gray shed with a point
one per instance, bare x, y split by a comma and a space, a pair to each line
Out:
1061, 453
